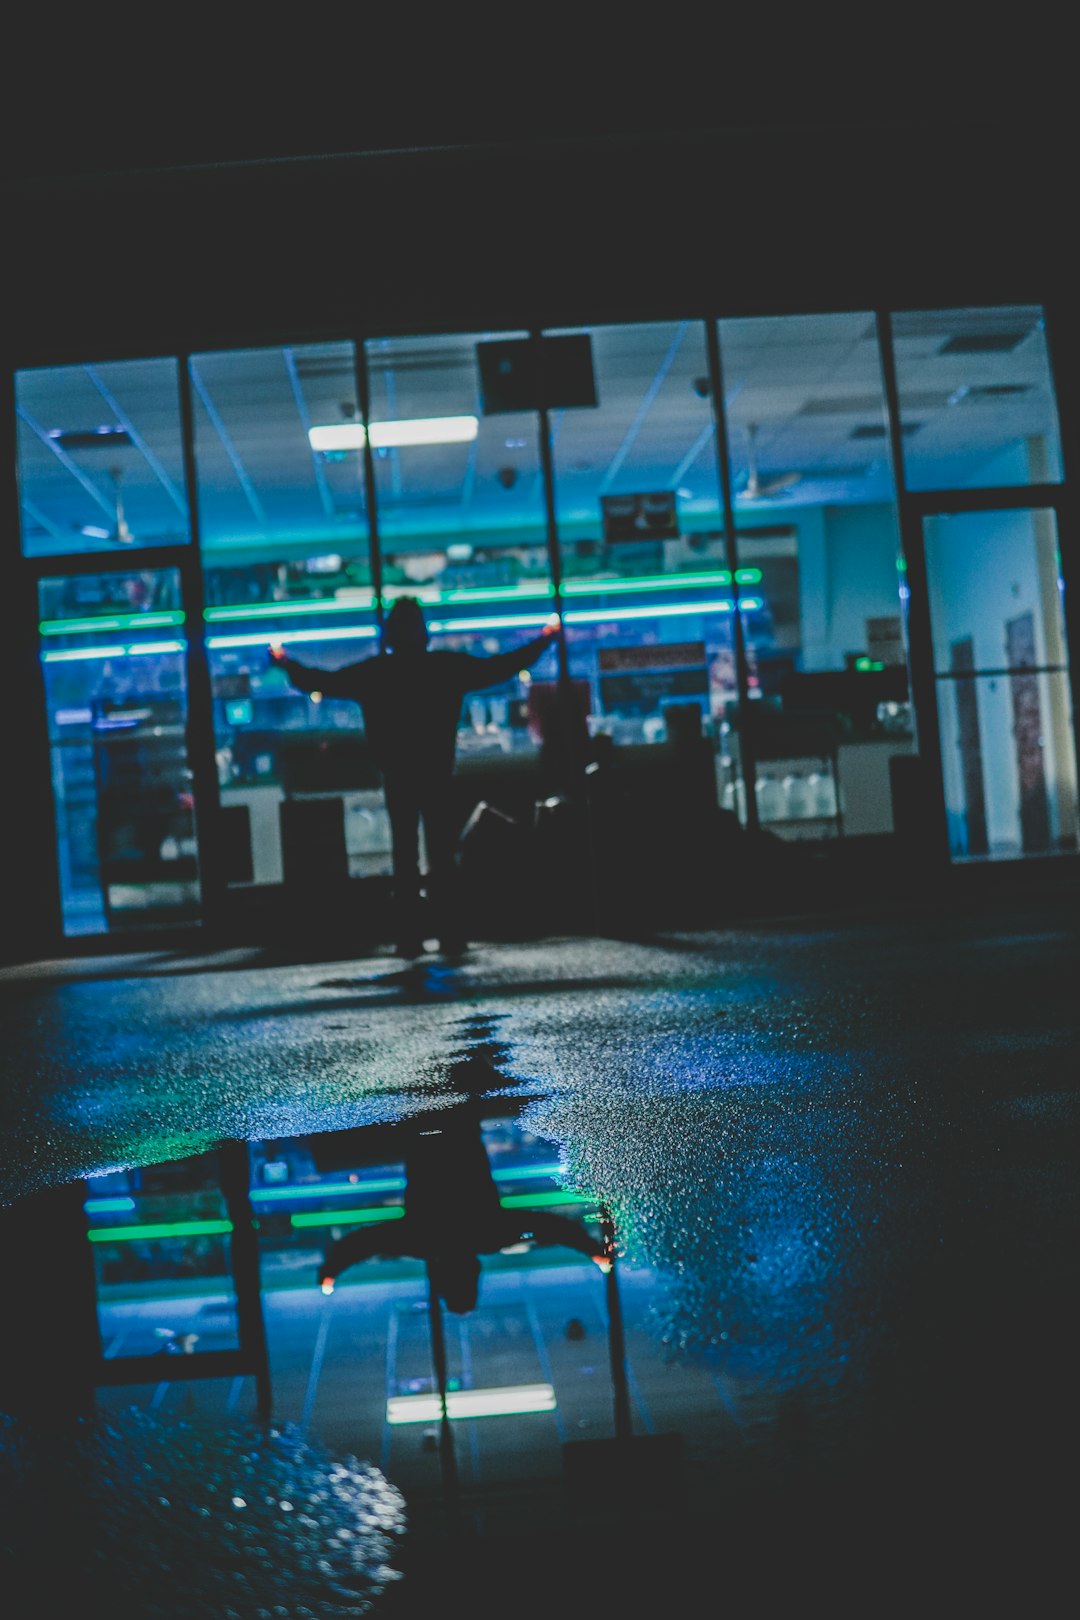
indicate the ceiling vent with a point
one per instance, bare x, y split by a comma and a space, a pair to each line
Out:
982, 392
1010, 320
101, 438
866, 404
324, 365
983, 342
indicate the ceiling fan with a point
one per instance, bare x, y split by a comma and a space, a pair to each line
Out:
752, 486
120, 532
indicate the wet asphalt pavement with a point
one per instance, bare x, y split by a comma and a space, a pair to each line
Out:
847, 1153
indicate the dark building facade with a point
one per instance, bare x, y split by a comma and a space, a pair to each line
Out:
781, 422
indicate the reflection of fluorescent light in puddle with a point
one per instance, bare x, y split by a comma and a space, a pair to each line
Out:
392, 435
472, 1403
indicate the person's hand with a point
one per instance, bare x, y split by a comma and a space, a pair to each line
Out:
552, 626
277, 653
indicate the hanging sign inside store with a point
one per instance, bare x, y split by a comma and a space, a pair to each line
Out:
650, 516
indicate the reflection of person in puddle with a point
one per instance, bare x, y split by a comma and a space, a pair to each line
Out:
453, 1215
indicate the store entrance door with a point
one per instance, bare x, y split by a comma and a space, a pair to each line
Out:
113, 653
1008, 743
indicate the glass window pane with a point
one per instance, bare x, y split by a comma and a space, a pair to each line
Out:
648, 598
1001, 659
161, 1245
101, 462
462, 523
112, 646
816, 520
977, 401
286, 557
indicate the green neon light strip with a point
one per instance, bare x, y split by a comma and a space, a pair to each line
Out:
472, 1403
160, 1229
364, 601
345, 1217
117, 621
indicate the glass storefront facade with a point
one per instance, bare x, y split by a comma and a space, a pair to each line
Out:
730, 517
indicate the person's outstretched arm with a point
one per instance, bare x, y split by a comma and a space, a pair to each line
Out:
499, 667
330, 682
364, 1244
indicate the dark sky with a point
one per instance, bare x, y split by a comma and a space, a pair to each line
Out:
172, 88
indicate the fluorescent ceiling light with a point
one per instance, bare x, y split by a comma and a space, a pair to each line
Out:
74, 655
392, 435
472, 1403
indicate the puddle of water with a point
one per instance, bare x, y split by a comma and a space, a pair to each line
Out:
159, 1517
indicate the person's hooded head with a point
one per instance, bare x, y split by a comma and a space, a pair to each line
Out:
456, 1280
405, 630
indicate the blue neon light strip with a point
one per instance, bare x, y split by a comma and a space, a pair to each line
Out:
359, 632
74, 655
325, 1189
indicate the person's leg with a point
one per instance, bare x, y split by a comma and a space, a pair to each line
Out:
403, 809
440, 835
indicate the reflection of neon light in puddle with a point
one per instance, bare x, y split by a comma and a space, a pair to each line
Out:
359, 1217
159, 1229
472, 1403
385, 1184
346, 1217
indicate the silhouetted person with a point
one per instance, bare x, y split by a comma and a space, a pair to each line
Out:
453, 1215
411, 701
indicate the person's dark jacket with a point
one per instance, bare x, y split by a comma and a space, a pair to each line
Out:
411, 702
